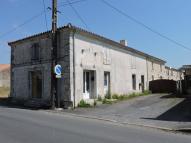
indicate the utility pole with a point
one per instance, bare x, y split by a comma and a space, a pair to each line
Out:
54, 53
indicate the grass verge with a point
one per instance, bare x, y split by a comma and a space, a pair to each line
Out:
129, 96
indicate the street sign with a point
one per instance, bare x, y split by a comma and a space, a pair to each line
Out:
58, 71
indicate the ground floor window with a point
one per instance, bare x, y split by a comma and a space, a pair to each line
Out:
134, 82
142, 83
107, 83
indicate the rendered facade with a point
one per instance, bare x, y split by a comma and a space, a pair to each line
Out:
92, 66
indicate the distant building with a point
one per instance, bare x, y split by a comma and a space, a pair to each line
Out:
4, 75
187, 78
92, 65
173, 74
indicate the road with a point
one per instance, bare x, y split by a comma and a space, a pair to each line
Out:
157, 110
26, 126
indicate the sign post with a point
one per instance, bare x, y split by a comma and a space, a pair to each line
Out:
58, 71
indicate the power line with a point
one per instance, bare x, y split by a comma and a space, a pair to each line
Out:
71, 2
33, 18
45, 16
17, 27
145, 26
76, 12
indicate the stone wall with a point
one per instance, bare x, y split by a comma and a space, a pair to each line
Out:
5, 78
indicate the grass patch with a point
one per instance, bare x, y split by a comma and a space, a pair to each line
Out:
109, 101
4, 91
129, 96
84, 104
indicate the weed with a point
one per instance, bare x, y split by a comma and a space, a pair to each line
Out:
83, 104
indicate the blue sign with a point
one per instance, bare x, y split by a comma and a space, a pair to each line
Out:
58, 71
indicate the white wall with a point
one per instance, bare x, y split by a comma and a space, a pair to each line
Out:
95, 55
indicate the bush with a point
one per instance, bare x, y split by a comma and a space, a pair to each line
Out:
99, 98
107, 101
115, 96
108, 96
95, 103
147, 92
83, 104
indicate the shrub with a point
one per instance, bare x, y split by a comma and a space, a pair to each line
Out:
115, 96
133, 95
95, 103
107, 101
99, 98
147, 92
121, 97
83, 104
108, 95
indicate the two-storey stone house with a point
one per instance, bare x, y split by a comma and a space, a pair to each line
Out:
92, 66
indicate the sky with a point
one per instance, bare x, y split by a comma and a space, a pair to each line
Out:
169, 17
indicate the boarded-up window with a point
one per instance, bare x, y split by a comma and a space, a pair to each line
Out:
35, 51
171, 73
133, 62
106, 57
152, 65
161, 68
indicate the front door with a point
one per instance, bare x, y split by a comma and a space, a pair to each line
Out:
36, 83
86, 85
89, 85
106, 83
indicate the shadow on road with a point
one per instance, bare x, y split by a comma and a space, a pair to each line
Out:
9, 103
179, 113
171, 96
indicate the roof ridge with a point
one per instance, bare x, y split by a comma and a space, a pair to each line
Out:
69, 25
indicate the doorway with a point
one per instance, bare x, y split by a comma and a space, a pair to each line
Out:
143, 83
106, 83
89, 85
36, 84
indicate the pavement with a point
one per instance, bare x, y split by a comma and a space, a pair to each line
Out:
27, 126
161, 111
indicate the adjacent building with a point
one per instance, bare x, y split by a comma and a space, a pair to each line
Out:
92, 66
187, 78
173, 74
4, 75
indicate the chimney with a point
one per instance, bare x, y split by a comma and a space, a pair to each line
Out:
123, 42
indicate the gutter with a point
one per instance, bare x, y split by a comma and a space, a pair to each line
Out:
74, 69
147, 73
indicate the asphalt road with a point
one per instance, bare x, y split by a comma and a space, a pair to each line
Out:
26, 126
157, 110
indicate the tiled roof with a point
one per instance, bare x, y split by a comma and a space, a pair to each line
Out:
69, 26
4, 67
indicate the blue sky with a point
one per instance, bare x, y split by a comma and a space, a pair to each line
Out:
169, 17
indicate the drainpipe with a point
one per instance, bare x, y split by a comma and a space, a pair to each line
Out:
74, 78
147, 73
